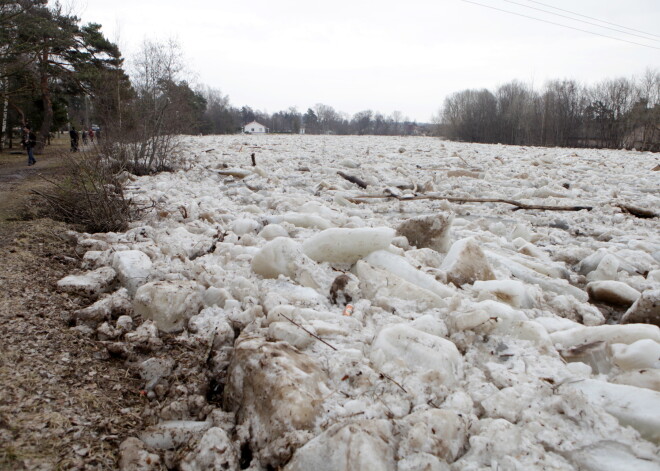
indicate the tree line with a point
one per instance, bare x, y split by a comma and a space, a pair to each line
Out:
324, 119
56, 73
615, 113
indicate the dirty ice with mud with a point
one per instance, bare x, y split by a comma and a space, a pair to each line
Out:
400, 332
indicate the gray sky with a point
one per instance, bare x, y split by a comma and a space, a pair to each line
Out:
381, 55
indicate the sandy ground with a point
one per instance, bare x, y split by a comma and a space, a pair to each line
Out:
63, 403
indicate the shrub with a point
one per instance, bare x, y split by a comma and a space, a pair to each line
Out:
90, 195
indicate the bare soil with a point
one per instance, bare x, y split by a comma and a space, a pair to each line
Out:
63, 404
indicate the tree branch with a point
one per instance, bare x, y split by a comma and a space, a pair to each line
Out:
454, 199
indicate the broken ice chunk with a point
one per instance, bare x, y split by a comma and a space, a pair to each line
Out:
637, 407
291, 334
612, 292
428, 231
466, 263
90, 284
441, 433
214, 451
379, 286
611, 456
302, 220
645, 310
108, 307
340, 245
512, 292
594, 354
607, 269
168, 303
400, 267
240, 227
283, 256
172, 434
271, 231
133, 268
403, 346
274, 390
627, 334
644, 353
363, 444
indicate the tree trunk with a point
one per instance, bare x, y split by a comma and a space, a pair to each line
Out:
48, 106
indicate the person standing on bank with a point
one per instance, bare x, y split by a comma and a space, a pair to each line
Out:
73, 134
29, 141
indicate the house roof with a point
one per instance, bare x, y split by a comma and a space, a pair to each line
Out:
254, 122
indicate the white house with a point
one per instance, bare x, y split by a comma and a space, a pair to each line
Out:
255, 128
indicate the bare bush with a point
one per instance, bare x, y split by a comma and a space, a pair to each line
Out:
90, 195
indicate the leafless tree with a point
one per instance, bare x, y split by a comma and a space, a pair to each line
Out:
161, 109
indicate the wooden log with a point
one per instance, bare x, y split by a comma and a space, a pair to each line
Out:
518, 205
637, 211
353, 179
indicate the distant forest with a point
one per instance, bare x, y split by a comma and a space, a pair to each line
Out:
324, 119
56, 74
615, 113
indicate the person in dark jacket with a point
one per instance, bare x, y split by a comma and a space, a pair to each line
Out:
29, 141
73, 134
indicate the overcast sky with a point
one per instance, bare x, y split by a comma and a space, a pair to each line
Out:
382, 55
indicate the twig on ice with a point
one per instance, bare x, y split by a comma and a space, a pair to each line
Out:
313, 335
391, 379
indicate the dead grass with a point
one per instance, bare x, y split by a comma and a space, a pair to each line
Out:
62, 404
17, 179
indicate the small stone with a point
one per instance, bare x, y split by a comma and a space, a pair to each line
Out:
153, 369
124, 323
80, 451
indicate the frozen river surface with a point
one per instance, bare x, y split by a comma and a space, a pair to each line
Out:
392, 333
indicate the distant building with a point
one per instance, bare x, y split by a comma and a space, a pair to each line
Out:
255, 128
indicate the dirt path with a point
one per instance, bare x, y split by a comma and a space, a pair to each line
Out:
63, 404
